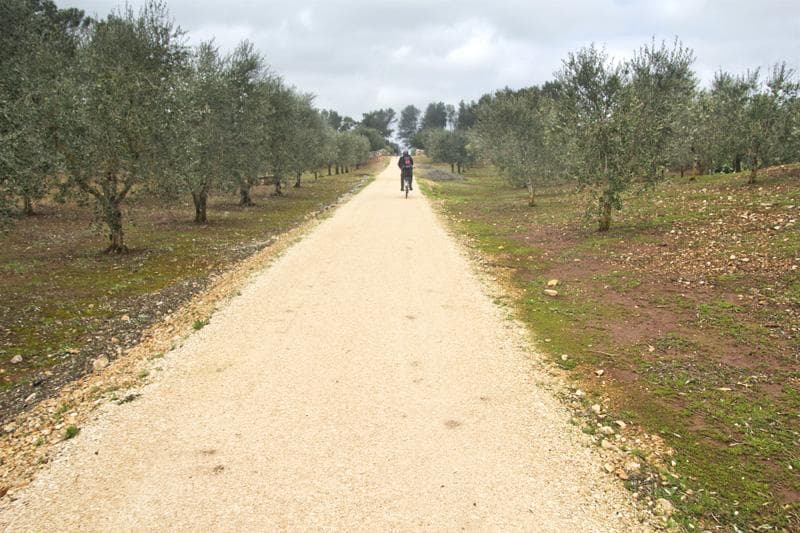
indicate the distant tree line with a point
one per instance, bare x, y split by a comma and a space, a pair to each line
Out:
100, 108
609, 125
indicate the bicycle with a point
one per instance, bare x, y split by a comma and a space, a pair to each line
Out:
406, 185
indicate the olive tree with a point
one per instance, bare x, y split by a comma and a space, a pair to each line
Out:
280, 135
115, 118
619, 118
307, 137
38, 40
449, 147
767, 129
723, 116
661, 89
328, 149
201, 130
515, 131
251, 91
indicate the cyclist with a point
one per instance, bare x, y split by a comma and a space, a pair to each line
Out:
406, 165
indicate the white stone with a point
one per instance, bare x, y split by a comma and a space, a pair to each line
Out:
100, 363
664, 507
632, 467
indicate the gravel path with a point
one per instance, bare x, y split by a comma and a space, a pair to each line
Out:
364, 381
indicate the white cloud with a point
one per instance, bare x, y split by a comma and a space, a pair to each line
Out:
306, 18
225, 37
477, 49
402, 52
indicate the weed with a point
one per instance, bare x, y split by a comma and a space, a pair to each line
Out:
199, 324
71, 431
59, 414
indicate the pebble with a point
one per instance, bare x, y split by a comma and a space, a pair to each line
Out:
10, 427
16, 359
599, 372
553, 283
606, 445
596, 409
551, 292
632, 467
621, 424
100, 363
664, 507
606, 430
30, 398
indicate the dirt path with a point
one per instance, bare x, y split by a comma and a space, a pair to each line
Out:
363, 382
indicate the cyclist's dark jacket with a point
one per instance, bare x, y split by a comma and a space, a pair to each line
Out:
406, 165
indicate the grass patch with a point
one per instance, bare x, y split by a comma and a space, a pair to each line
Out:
199, 324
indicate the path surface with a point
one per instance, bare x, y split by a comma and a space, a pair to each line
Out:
363, 382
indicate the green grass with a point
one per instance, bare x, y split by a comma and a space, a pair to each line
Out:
682, 361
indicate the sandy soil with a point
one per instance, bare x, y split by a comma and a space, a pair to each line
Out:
364, 381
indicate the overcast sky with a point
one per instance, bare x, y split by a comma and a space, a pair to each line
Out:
359, 55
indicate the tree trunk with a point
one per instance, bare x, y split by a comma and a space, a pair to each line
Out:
316, 175
604, 220
297, 181
329, 169
27, 206
460, 168
200, 204
531, 194
113, 216
347, 169
682, 170
244, 195
737, 163
452, 168
697, 167
278, 191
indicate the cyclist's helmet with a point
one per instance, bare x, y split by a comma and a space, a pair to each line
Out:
405, 152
